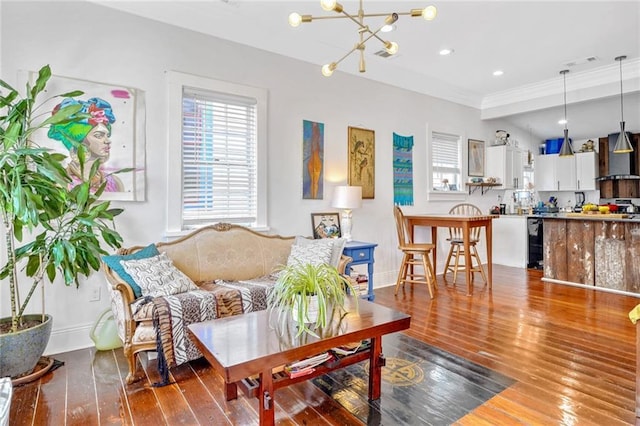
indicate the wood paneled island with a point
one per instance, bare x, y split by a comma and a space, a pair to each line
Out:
594, 251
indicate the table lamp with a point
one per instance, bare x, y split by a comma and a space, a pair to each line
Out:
347, 198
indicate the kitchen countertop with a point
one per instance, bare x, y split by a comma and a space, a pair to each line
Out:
633, 217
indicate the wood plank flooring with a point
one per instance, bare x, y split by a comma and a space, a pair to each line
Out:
570, 350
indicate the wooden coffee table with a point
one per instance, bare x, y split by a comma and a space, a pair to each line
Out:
245, 349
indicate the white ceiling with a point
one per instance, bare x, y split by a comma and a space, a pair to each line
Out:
530, 41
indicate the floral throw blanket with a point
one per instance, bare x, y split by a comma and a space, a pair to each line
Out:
217, 299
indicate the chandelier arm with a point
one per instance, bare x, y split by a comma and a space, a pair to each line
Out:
348, 53
367, 15
361, 44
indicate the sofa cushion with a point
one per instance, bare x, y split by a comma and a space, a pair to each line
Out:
157, 276
336, 244
114, 263
316, 252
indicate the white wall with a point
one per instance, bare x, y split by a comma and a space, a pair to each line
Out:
87, 41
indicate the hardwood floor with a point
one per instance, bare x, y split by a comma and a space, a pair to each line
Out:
570, 350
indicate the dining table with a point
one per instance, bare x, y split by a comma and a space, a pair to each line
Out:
466, 223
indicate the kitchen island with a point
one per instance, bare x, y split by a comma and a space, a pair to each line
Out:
596, 250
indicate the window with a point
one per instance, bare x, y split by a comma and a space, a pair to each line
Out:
218, 131
446, 162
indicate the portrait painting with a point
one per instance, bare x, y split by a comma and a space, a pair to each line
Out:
476, 158
361, 145
326, 225
109, 131
313, 160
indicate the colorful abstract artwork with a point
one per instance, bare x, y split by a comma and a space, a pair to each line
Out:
112, 133
313, 160
402, 170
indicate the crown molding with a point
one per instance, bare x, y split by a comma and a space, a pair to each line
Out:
581, 86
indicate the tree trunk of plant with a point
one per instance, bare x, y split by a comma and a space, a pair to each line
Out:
11, 263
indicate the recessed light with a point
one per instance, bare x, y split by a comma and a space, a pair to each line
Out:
562, 121
388, 28
498, 73
445, 52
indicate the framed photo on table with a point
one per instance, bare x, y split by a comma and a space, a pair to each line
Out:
476, 158
326, 225
362, 150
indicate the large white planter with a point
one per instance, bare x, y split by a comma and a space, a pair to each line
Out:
312, 310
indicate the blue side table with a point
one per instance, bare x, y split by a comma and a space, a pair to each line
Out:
362, 253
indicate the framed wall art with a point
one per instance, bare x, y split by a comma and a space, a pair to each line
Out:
113, 132
476, 157
313, 160
362, 144
326, 225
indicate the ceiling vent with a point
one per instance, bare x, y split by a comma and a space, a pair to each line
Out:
581, 61
384, 54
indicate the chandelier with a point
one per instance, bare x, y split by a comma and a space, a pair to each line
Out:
365, 33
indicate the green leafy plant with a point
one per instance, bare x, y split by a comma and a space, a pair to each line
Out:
295, 286
67, 226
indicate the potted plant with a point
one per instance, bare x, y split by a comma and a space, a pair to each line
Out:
66, 226
309, 293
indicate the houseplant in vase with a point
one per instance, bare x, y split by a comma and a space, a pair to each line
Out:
310, 294
51, 228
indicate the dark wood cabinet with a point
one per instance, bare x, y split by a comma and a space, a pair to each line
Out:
618, 188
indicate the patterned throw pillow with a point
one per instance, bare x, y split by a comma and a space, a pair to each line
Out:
336, 244
157, 276
113, 262
315, 253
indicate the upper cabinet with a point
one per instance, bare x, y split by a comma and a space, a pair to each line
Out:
505, 162
586, 170
575, 173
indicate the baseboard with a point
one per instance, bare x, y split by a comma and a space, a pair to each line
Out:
590, 287
384, 279
69, 339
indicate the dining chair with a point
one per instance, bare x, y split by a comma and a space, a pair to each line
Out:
414, 254
456, 251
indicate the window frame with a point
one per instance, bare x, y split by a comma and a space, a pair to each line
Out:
177, 81
460, 194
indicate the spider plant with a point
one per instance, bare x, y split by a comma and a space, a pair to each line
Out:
300, 286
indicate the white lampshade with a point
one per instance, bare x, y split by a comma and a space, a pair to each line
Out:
347, 197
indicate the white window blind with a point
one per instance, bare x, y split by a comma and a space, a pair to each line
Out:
446, 162
219, 158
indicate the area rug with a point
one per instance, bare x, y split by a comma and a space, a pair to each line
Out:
421, 385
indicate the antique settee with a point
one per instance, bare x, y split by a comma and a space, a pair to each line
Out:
234, 264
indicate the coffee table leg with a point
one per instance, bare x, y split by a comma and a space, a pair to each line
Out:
230, 391
265, 399
376, 362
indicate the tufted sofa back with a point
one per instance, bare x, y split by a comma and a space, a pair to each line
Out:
228, 252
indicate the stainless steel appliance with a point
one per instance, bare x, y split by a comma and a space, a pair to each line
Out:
579, 201
621, 179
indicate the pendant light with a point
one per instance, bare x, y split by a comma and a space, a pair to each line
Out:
565, 150
623, 144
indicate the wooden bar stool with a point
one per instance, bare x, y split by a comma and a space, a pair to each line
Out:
413, 255
456, 251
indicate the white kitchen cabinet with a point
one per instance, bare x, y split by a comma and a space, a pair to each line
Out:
575, 173
566, 173
544, 173
586, 171
505, 163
